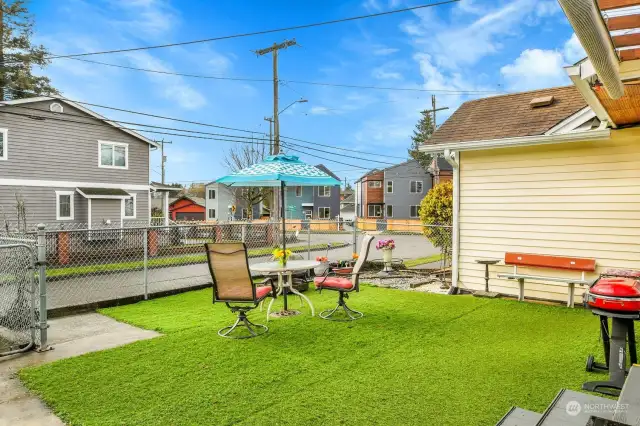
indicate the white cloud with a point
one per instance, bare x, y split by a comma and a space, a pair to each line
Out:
384, 51
372, 5
573, 50
319, 110
381, 74
219, 64
534, 69
170, 87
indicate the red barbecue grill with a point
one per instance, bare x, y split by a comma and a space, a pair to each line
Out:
616, 295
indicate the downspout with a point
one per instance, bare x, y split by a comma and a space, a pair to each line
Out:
452, 157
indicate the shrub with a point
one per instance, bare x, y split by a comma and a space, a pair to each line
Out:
436, 211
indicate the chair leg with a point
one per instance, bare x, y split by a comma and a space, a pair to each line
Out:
352, 314
242, 321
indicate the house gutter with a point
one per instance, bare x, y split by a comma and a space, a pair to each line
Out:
590, 135
452, 158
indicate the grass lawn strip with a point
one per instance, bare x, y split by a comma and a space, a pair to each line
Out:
414, 359
422, 260
161, 262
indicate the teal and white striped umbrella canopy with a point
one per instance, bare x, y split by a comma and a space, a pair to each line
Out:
280, 168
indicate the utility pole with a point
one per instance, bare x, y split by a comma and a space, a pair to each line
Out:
276, 122
434, 109
164, 157
270, 120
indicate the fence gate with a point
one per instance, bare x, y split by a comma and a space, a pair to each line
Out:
18, 312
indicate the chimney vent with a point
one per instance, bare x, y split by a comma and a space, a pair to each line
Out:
541, 102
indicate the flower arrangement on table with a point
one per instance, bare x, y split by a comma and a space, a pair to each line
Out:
385, 245
281, 255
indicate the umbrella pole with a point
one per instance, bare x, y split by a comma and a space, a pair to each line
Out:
284, 237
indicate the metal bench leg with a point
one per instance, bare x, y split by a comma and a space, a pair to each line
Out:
572, 291
521, 285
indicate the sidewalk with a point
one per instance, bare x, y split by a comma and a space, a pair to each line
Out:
69, 337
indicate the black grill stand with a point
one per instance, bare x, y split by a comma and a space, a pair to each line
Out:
615, 351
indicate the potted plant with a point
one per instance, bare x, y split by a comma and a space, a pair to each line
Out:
387, 247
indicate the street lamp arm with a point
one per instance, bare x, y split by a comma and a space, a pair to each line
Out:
300, 101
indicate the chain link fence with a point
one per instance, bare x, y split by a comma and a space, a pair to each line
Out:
108, 265
19, 308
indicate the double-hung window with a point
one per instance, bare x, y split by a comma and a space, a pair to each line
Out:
414, 210
298, 191
389, 210
212, 194
113, 155
4, 140
416, 187
324, 212
375, 210
64, 205
374, 184
390, 186
129, 207
212, 213
324, 191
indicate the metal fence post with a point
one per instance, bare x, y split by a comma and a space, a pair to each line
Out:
355, 234
42, 282
145, 262
309, 242
244, 233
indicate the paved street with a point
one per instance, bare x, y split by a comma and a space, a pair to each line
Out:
102, 287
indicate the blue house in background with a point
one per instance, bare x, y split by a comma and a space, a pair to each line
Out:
313, 202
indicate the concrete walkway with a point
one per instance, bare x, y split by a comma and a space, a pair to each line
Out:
69, 336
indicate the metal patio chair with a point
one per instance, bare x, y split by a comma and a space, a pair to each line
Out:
232, 284
339, 282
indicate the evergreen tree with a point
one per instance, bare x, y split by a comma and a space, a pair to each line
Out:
423, 131
18, 55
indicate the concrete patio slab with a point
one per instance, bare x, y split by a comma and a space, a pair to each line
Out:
69, 336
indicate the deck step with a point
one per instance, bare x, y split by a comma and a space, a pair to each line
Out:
571, 408
628, 410
519, 417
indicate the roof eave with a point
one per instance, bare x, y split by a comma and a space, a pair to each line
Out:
591, 135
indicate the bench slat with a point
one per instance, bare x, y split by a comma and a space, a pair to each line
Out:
543, 278
552, 262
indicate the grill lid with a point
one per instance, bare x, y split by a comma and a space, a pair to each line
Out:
617, 287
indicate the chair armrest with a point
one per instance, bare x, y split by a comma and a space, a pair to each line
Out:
343, 271
268, 281
327, 273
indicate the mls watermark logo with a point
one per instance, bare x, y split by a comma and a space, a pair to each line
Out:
573, 408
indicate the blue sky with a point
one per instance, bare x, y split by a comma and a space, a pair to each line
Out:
471, 45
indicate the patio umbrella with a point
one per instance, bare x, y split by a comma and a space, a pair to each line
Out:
280, 170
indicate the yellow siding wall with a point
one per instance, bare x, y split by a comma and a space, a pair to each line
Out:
578, 199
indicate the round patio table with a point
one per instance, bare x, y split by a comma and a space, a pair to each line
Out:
291, 267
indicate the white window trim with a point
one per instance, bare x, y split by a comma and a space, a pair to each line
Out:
327, 216
209, 194
387, 187
5, 141
374, 206
376, 184
417, 211
244, 213
126, 155
72, 207
421, 186
209, 213
324, 194
386, 211
135, 207
300, 188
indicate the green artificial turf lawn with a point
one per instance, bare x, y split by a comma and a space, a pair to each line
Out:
414, 359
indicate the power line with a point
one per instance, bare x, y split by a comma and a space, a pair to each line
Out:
284, 81
254, 33
327, 159
202, 124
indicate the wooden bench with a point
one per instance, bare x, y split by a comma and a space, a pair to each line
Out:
577, 264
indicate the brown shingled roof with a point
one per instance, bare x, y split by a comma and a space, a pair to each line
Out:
508, 116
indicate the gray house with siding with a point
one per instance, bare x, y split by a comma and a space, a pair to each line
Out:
70, 165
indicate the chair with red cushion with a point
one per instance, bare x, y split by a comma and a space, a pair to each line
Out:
344, 282
233, 285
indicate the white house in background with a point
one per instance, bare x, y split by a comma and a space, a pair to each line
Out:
220, 200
